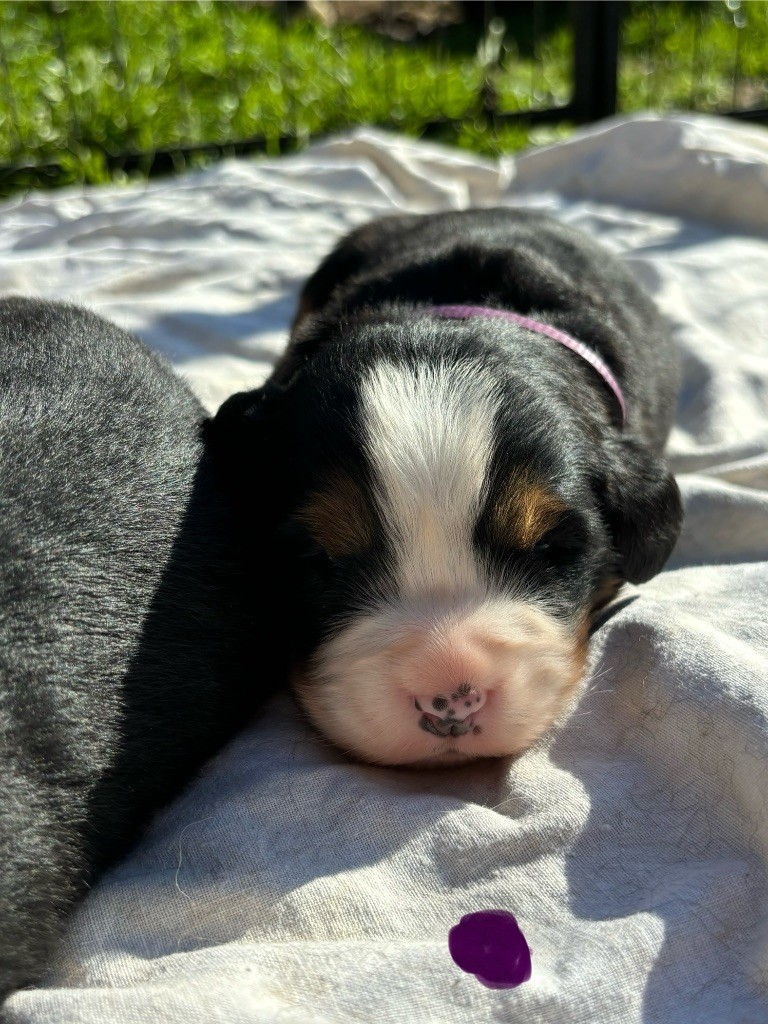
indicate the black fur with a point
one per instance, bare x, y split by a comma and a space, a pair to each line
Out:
369, 300
123, 624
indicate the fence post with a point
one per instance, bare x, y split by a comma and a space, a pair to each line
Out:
597, 28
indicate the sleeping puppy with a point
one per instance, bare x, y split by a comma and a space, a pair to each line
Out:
123, 617
463, 448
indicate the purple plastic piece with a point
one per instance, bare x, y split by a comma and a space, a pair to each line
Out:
490, 945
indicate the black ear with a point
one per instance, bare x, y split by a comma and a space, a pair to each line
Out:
356, 252
238, 419
239, 437
641, 507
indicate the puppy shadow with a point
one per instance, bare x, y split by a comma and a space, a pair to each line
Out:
191, 679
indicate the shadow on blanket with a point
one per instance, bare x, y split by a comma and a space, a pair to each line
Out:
235, 334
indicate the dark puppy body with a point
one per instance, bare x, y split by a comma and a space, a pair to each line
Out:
454, 498
516, 260
122, 621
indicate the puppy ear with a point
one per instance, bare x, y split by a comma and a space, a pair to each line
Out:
355, 253
641, 507
237, 419
239, 438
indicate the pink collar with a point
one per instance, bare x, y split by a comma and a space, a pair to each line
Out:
591, 357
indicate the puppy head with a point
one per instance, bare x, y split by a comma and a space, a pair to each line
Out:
443, 533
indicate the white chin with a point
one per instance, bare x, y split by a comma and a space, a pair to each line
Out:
360, 690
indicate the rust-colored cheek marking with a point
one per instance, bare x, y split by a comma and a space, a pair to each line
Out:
305, 307
604, 594
525, 511
339, 517
580, 651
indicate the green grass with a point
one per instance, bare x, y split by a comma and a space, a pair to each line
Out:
81, 82
702, 56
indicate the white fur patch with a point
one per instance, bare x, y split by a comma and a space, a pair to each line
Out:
429, 438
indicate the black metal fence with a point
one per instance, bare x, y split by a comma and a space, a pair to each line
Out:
595, 28
54, 132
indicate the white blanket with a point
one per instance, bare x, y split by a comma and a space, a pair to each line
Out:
632, 844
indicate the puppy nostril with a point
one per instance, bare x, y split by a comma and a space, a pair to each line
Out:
440, 703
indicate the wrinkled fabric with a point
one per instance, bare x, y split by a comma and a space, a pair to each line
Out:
288, 885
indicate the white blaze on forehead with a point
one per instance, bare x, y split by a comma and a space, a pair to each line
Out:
429, 437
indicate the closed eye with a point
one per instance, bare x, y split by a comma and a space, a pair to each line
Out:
301, 542
569, 534
305, 549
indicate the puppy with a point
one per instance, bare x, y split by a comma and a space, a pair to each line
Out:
460, 455
123, 615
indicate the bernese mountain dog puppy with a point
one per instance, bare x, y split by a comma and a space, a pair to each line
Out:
457, 461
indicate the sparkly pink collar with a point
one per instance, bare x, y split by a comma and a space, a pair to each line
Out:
587, 354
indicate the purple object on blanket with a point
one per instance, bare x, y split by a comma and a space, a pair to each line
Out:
490, 945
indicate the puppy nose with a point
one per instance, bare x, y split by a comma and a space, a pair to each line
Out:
453, 706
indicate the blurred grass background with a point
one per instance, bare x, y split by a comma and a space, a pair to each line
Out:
86, 86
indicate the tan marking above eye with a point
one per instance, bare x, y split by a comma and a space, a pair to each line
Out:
525, 511
339, 517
